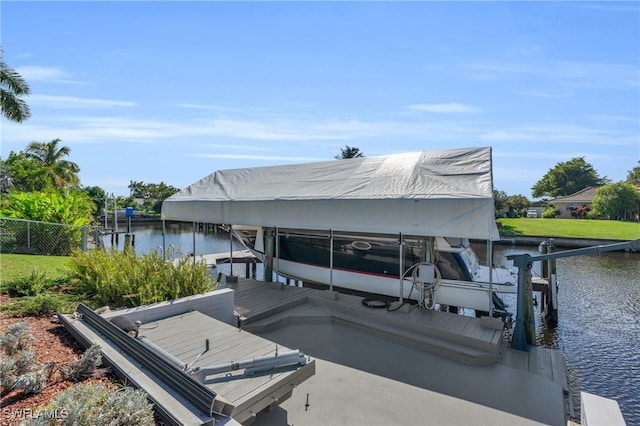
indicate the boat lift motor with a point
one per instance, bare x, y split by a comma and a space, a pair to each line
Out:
426, 280
252, 366
426, 273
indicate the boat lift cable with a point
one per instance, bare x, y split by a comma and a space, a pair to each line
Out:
375, 303
420, 285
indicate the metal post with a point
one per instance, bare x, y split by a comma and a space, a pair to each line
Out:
490, 261
193, 234
425, 253
268, 255
230, 251
529, 318
331, 260
115, 214
401, 268
106, 204
552, 301
519, 340
127, 238
277, 249
164, 241
544, 249
83, 243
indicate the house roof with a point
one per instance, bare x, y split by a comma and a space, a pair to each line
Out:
583, 196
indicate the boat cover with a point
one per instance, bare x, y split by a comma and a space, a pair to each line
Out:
430, 193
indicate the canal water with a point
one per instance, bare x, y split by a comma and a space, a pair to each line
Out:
598, 320
598, 323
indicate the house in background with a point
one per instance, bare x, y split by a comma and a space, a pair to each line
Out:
578, 203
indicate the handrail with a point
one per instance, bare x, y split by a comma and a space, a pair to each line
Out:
171, 249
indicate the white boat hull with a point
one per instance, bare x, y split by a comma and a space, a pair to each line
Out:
473, 293
464, 294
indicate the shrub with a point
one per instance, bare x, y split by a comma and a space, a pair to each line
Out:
34, 381
7, 375
121, 279
17, 338
550, 213
96, 404
84, 367
30, 285
40, 305
17, 356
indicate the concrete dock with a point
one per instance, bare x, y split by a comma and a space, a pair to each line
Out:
408, 367
372, 366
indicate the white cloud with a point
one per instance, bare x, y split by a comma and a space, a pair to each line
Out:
46, 74
560, 133
289, 129
452, 107
626, 8
220, 134
591, 75
257, 157
205, 107
613, 118
112, 129
543, 94
72, 102
229, 146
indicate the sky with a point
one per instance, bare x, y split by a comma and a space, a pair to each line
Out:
173, 91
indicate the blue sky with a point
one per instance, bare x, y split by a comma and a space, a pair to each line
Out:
172, 91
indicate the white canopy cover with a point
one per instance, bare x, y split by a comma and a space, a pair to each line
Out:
430, 193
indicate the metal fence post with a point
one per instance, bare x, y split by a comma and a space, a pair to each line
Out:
83, 241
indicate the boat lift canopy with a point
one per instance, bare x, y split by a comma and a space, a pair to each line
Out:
445, 193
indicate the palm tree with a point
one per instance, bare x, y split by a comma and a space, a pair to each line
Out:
5, 177
63, 172
349, 152
12, 87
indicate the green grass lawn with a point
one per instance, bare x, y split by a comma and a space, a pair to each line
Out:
20, 265
579, 228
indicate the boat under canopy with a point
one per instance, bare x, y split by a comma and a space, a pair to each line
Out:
446, 193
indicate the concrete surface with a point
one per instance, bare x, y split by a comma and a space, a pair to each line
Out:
362, 379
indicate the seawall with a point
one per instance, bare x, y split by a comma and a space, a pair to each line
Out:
566, 242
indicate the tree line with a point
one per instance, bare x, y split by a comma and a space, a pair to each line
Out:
617, 201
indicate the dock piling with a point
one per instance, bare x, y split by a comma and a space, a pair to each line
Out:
268, 255
552, 300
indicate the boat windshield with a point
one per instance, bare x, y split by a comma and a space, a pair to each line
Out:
471, 260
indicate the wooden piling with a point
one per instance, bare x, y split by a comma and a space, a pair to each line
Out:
529, 319
544, 288
552, 302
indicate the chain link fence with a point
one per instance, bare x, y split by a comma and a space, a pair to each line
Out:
20, 236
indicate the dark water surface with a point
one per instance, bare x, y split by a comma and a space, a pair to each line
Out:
598, 317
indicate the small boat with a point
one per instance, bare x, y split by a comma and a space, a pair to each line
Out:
370, 264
